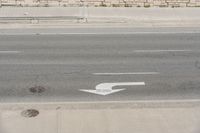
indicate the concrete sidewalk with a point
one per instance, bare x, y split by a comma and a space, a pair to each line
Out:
106, 16
105, 12
101, 118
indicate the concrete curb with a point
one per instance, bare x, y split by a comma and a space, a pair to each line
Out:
103, 105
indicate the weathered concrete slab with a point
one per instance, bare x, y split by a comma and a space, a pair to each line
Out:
83, 118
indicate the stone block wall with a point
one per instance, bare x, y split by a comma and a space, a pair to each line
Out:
102, 3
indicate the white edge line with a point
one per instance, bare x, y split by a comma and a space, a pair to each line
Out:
106, 33
93, 102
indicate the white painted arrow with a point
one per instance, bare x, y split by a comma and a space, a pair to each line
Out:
106, 88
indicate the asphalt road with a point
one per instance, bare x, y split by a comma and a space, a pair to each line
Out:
168, 64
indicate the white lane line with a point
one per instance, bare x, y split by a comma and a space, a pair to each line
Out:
132, 73
9, 52
156, 51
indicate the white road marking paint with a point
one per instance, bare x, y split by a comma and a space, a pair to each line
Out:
133, 73
9, 52
106, 88
157, 51
101, 33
